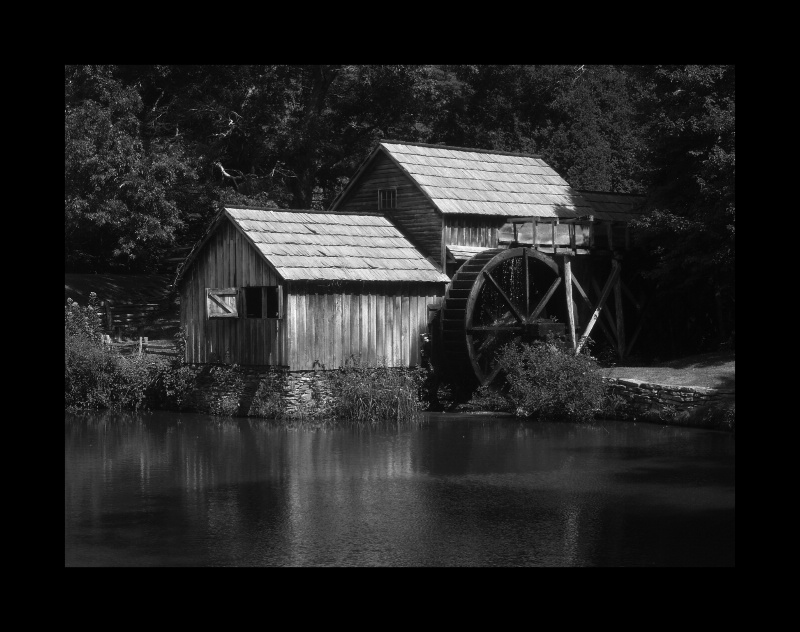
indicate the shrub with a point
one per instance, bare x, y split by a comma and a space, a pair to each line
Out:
97, 377
547, 379
269, 400
374, 393
488, 399
83, 322
172, 386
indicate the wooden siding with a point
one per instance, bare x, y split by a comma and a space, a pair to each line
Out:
415, 216
472, 230
228, 260
380, 321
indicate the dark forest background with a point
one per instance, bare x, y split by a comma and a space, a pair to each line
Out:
150, 151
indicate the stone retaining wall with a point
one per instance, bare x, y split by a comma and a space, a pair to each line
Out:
256, 391
684, 405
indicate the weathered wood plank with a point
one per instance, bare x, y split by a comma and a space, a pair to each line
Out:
569, 301
620, 314
373, 316
612, 278
406, 328
380, 326
397, 357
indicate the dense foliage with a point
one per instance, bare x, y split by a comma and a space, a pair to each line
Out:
547, 380
365, 393
150, 151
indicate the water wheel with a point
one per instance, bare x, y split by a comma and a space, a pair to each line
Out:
495, 298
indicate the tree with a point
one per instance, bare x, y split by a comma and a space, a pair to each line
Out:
689, 230
119, 191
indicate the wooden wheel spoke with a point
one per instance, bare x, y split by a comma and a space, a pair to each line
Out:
543, 303
488, 305
517, 314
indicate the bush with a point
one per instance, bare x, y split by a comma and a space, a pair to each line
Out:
172, 386
374, 393
547, 379
97, 377
83, 322
268, 400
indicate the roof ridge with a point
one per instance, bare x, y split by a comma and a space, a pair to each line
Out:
609, 192
454, 148
301, 210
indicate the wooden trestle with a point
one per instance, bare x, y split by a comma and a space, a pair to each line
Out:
465, 340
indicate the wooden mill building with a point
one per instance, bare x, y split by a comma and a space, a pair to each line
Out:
303, 289
480, 215
452, 202
462, 232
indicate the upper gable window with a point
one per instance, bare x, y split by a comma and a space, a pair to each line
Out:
387, 198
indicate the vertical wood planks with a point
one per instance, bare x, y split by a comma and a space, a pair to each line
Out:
413, 335
337, 359
373, 325
398, 327
355, 321
405, 328
380, 326
346, 327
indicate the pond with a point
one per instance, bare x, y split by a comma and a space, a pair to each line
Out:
169, 489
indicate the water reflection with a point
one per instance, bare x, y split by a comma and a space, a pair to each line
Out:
169, 489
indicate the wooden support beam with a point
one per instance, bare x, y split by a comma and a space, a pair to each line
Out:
606, 313
533, 220
609, 334
444, 247
612, 279
570, 306
527, 281
620, 314
630, 296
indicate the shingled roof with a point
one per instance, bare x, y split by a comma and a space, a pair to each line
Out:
614, 206
461, 181
486, 182
313, 246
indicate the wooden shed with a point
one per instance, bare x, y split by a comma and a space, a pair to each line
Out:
303, 289
454, 202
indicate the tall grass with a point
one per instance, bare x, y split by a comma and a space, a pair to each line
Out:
364, 393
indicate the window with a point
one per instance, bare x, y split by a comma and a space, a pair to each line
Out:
253, 302
262, 302
387, 198
273, 302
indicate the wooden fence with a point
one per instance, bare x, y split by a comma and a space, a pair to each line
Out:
143, 345
127, 317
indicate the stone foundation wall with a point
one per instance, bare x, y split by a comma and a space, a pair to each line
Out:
685, 405
256, 391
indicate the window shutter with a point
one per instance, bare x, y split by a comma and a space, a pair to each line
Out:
221, 302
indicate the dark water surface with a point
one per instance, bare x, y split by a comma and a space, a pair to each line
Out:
167, 489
